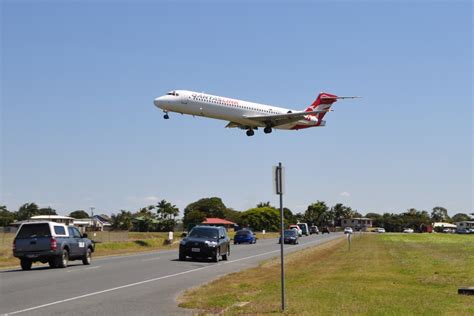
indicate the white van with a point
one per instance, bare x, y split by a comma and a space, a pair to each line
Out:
304, 228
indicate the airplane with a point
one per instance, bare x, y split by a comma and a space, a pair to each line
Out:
246, 115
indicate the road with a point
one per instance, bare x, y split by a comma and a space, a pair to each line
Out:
141, 284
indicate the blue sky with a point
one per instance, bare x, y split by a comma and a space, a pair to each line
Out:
79, 128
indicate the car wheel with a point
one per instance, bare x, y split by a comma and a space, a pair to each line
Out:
87, 257
63, 259
216, 255
182, 257
52, 263
26, 264
226, 256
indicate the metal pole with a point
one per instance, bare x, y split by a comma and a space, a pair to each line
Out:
282, 230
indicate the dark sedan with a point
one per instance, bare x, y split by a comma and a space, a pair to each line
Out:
290, 236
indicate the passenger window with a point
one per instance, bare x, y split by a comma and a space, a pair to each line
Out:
59, 230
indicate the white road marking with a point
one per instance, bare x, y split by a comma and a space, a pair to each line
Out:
96, 267
145, 281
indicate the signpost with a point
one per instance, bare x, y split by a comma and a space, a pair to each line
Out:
278, 186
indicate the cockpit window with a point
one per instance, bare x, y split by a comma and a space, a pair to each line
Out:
173, 93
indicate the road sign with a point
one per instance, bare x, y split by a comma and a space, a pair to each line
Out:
278, 179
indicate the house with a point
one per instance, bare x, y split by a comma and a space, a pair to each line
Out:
214, 221
465, 224
359, 223
95, 223
440, 226
53, 218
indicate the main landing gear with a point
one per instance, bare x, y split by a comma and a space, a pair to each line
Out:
267, 130
250, 132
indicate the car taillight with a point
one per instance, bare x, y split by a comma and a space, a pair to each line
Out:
14, 245
54, 244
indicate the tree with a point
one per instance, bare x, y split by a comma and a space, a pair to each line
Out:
79, 214
46, 211
122, 221
26, 211
288, 216
264, 204
6, 217
460, 217
193, 218
145, 220
314, 213
166, 210
232, 215
415, 219
341, 212
439, 214
166, 213
261, 218
376, 219
211, 207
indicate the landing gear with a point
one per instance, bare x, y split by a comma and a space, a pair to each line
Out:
166, 116
250, 132
267, 130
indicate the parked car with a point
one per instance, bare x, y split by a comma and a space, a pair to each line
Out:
463, 231
205, 242
325, 230
297, 228
314, 230
290, 236
304, 228
245, 236
51, 242
408, 231
380, 230
348, 230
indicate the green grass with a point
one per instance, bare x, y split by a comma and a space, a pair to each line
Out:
383, 274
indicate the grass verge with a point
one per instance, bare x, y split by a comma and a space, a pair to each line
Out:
393, 274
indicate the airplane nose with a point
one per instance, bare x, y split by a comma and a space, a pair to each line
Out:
158, 102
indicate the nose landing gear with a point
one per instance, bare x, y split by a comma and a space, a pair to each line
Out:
166, 116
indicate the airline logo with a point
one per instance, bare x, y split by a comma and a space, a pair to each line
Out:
213, 99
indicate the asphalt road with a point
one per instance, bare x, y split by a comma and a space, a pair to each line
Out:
141, 284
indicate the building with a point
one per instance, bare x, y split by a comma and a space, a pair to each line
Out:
360, 223
53, 218
440, 227
214, 221
95, 223
465, 224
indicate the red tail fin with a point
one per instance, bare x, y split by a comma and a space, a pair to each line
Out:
323, 102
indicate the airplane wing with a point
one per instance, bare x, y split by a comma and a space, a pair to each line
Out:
281, 119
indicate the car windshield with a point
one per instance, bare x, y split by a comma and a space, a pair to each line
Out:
34, 231
290, 233
243, 233
203, 232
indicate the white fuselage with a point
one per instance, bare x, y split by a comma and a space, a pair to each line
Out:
228, 109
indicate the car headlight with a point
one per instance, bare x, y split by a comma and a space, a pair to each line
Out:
182, 242
211, 243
